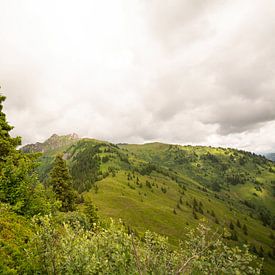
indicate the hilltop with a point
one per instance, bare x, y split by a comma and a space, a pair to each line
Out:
169, 188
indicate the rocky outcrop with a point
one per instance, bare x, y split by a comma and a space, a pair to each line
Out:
52, 143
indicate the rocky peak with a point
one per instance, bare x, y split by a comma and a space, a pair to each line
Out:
74, 136
53, 142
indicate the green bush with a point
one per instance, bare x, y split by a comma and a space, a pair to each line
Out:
66, 249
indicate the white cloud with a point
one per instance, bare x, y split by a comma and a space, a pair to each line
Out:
136, 71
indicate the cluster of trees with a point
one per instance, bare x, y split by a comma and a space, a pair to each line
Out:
233, 236
19, 185
85, 166
210, 157
22, 196
263, 214
235, 177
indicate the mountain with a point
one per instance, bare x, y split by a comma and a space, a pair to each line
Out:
270, 156
51, 144
169, 188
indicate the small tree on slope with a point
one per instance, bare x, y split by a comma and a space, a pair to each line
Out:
61, 181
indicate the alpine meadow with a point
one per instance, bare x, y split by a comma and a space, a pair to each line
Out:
137, 137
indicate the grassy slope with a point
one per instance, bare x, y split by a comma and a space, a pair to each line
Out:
144, 207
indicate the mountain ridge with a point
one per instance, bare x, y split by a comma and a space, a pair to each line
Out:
55, 141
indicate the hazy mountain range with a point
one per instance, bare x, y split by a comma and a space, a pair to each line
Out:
270, 156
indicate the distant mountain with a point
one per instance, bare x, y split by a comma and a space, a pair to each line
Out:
270, 156
169, 188
51, 144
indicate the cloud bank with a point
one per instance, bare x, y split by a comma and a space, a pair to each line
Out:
188, 72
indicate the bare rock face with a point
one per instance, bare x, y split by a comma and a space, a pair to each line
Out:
74, 136
53, 142
32, 148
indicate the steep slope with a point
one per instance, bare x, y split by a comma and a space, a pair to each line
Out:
168, 188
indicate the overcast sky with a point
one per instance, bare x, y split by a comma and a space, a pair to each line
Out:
177, 71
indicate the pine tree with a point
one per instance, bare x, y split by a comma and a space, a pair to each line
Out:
200, 210
270, 254
7, 143
19, 186
245, 229
231, 225
234, 236
15, 167
253, 249
91, 212
238, 223
61, 181
261, 252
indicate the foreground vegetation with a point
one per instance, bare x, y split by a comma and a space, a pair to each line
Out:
53, 227
70, 244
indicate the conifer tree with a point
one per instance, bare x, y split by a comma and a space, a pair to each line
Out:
15, 167
261, 252
61, 181
245, 229
234, 236
238, 223
253, 249
19, 185
91, 212
8, 144
231, 225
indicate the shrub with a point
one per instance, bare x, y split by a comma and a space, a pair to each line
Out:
66, 249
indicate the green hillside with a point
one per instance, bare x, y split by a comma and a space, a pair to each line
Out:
170, 188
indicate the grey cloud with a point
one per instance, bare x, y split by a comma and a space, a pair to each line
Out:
232, 85
179, 21
174, 71
239, 115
